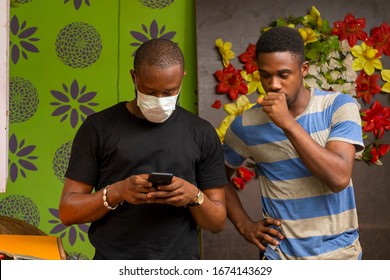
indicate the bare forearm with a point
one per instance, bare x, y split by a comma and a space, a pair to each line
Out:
331, 168
235, 211
79, 205
211, 214
82, 208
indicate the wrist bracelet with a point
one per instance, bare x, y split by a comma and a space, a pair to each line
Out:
105, 203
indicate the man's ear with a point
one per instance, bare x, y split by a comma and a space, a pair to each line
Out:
132, 74
305, 68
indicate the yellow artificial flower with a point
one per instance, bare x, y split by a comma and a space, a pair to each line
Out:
291, 25
308, 35
225, 49
254, 82
386, 77
365, 59
221, 130
233, 109
313, 17
237, 108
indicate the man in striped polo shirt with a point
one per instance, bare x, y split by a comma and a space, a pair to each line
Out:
303, 142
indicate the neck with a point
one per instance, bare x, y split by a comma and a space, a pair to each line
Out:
133, 108
300, 103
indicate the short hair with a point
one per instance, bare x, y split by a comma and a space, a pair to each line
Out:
159, 52
281, 39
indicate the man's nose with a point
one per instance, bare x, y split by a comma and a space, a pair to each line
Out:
274, 84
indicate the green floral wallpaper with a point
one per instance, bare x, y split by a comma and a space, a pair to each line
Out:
69, 59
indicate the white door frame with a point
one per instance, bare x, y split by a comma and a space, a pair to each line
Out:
4, 88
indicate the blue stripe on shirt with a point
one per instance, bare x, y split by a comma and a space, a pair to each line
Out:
312, 207
232, 156
284, 169
347, 129
252, 135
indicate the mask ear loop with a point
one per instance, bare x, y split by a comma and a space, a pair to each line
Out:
178, 98
135, 86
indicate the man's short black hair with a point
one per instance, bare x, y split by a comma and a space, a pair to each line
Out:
281, 39
159, 52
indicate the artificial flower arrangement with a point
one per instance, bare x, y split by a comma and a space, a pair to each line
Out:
337, 63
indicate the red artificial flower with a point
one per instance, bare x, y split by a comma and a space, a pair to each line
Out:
230, 82
245, 173
350, 29
383, 149
380, 39
378, 151
376, 119
366, 86
217, 104
239, 183
249, 59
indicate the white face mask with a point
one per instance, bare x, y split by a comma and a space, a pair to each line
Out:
156, 109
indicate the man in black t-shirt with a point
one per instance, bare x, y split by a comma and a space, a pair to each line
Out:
115, 150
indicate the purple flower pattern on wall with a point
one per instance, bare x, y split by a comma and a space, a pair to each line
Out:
73, 232
153, 32
20, 158
156, 4
78, 45
17, 3
20, 207
23, 100
74, 102
61, 160
21, 39
77, 3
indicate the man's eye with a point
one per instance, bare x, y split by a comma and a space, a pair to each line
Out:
284, 76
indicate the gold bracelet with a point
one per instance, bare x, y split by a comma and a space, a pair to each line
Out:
105, 203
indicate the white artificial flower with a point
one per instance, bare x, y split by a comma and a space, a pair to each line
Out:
335, 75
349, 88
349, 76
337, 88
321, 79
345, 48
312, 83
334, 54
334, 64
325, 86
347, 62
325, 67
314, 70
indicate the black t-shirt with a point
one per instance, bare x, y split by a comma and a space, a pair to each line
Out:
112, 145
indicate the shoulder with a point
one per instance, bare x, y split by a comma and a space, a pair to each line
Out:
333, 96
334, 100
104, 118
109, 113
189, 117
252, 117
120, 107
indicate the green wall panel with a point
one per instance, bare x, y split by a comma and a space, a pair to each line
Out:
69, 59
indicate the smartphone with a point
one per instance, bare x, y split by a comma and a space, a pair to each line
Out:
159, 178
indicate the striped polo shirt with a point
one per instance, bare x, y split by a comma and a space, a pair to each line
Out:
316, 223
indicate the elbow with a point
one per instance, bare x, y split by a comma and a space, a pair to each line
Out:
215, 224
65, 221
64, 218
340, 185
219, 225
217, 228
